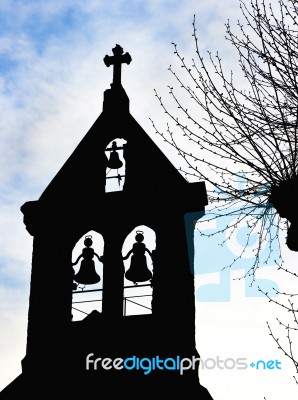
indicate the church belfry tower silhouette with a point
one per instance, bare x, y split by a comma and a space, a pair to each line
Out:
116, 182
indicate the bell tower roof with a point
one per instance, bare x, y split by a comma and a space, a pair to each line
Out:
149, 174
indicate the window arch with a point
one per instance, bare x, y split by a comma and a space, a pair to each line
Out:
138, 263
88, 275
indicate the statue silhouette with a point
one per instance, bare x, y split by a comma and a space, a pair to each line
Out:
87, 274
138, 271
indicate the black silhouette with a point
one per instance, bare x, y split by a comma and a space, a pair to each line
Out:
87, 274
154, 195
117, 59
114, 161
283, 198
138, 271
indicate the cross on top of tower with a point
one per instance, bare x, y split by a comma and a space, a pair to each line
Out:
116, 60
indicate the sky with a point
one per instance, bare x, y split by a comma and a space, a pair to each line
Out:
52, 79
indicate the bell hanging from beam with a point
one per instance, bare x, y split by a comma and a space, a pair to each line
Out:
138, 270
114, 160
87, 274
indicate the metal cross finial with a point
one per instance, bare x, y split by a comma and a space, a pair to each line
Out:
117, 59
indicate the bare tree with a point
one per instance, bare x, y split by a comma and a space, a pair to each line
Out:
224, 132
285, 334
226, 128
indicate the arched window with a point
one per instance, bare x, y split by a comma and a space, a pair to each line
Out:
138, 263
88, 275
115, 171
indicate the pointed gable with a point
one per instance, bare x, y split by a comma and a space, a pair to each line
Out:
149, 175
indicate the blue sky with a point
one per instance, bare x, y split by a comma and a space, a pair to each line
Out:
52, 78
